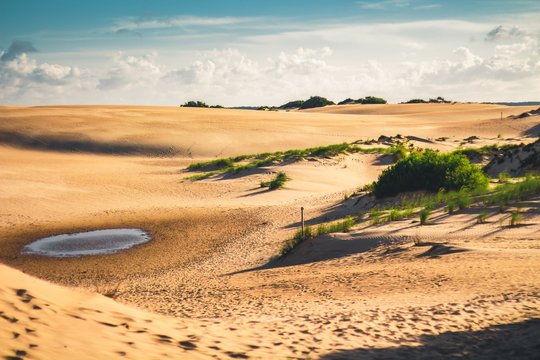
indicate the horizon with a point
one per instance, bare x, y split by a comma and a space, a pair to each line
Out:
244, 54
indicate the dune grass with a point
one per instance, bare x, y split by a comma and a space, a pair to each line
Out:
501, 195
236, 164
344, 225
277, 182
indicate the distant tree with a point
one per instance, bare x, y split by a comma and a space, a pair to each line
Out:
439, 100
371, 100
200, 104
292, 104
315, 101
415, 101
346, 101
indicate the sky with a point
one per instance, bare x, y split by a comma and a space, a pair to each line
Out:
250, 53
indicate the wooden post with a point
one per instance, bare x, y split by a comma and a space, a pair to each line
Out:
302, 218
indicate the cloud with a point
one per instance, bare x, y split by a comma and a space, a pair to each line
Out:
427, 6
504, 33
383, 4
17, 48
23, 79
133, 24
131, 71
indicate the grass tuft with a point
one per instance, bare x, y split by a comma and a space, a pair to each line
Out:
277, 182
344, 225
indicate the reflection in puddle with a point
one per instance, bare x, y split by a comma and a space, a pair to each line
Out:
96, 242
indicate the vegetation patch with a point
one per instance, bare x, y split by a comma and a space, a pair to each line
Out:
429, 171
200, 104
315, 101
276, 183
240, 163
344, 225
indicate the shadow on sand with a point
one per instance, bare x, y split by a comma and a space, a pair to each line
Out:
79, 143
510, 341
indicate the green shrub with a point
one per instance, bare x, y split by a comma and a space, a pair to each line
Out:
429, 171
315, 101
277, 182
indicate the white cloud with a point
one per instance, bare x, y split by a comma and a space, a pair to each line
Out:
24, 79
131, 71
383, 4
131, 24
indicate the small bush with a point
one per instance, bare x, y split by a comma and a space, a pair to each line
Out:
276, 183
429, 171
424, 215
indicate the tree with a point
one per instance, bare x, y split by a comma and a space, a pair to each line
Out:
347, 101
315, 101
292, 104
371, 100
200, 104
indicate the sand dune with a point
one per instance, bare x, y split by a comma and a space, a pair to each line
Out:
205, 285
192, 132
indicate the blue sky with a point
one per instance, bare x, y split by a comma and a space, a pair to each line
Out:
267, 52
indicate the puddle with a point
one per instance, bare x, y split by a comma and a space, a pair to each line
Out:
98, 242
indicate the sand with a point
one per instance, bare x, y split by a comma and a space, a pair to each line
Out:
205, 280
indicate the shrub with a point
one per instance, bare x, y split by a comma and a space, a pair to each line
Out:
429, 171
315, 101
277, 182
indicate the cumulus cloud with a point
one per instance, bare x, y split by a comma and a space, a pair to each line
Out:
131, 71
23, 79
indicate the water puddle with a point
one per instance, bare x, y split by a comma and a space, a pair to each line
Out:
97, 242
